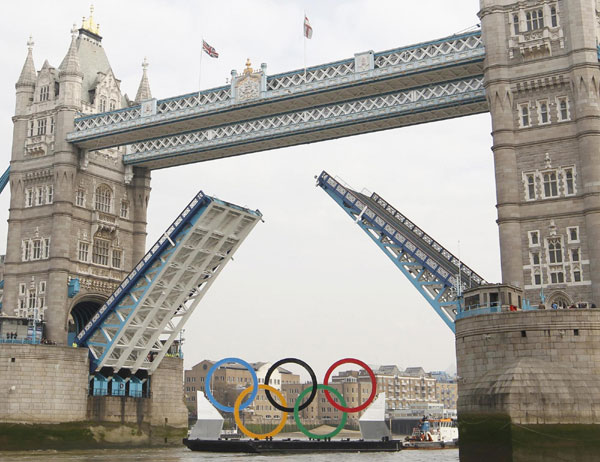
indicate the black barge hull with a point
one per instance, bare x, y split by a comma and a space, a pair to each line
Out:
292, 446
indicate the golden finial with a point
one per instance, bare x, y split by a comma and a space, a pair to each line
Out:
248, 69
89, 24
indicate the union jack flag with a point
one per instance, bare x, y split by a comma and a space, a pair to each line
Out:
307, 28
210, 51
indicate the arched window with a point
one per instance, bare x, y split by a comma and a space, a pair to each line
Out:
550, 184
535, 19
555, 251
102, 105
103, 198
553, 17
516, 23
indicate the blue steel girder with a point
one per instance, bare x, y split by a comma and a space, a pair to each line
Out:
4, 179
407, 107
430, 268
136, 326
367, 74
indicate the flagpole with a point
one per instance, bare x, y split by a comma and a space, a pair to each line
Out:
304, 37
200, 72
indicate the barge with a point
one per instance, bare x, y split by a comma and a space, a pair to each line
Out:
289, 445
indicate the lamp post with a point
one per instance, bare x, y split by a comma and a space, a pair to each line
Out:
181, 340
35, 319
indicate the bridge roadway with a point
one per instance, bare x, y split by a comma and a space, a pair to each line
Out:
373, 91
430, 267
139, 322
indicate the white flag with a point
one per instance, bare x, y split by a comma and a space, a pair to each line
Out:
307, 29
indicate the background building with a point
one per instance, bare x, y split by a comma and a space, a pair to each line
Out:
230, 379
408, 392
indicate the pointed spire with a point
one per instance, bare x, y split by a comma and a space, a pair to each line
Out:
143, 92
28, 75
70, 64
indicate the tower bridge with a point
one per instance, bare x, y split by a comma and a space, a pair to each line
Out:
103, 146
82, 153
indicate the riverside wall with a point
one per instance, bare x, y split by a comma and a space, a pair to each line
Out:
528, 385
44, 403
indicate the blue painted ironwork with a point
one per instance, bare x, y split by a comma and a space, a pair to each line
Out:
22, 341
137, 325
73, 287
98, 385
117, 386
458, 56
4, 179
135, 387
430, 268
123, 292
407, 107
490, 308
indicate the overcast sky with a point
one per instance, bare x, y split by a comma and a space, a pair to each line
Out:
307, 282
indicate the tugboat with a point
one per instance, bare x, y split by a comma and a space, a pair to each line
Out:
433, 434
205, 435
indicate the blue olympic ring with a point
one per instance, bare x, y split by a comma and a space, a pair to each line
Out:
209, 378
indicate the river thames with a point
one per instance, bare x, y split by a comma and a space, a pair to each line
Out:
184, 455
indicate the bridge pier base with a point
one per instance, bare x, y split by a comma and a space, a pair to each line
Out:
497, 438
44, 403
528, 388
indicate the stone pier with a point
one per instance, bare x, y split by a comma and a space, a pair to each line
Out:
528, 385
45, 404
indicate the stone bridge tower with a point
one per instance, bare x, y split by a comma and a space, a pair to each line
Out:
528, 378
542, 77
77, 220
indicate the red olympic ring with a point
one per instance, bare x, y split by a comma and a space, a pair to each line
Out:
373, 383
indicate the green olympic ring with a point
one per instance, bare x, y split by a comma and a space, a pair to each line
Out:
297, 416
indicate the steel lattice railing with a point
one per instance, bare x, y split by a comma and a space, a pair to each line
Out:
386, 63
318, 74
194, 100
408, 100
471, 279
451, 46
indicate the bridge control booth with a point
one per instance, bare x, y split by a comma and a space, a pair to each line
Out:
492, 298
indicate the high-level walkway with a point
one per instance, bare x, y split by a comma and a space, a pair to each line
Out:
429, 81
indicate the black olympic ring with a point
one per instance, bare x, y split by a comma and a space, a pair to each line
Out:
313, 377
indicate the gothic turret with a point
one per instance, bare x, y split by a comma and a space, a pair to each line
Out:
144, 92
26, 84
70, 76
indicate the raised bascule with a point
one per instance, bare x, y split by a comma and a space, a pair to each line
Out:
434, 271
80, 181
139, 322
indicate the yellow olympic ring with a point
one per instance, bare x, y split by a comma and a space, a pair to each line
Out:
238, 421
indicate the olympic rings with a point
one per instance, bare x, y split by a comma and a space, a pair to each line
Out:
215, 366
239, 422
253, 390
312, 376
337, 429
373, 383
